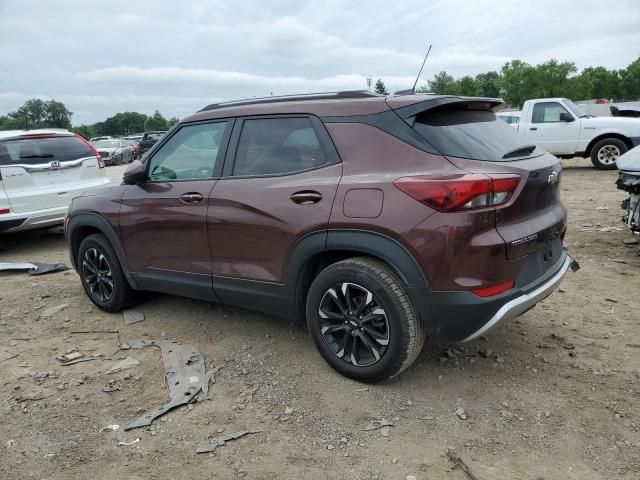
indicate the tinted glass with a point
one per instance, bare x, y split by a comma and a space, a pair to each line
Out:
37, 150
457, 131
191, 153
276, 146
547, 112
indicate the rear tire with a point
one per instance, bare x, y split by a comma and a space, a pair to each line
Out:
605, 153
101, 274
362, 320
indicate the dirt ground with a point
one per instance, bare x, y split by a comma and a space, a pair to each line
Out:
557, 398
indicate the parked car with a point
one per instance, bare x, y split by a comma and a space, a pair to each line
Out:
382, 221
40, 172
560, 127
114, 152
629, 181
135, 146
148, 140
626, 111
97, 139
512, 118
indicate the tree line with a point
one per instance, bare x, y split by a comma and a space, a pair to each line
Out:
37, 113
518, 81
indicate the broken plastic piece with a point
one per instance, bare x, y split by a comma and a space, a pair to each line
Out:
110, 428
128, 362
185, 376
34, 268
210, 444
126, 444
132, 316
375, 424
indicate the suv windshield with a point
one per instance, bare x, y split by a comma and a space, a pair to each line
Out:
457, 130
37, 150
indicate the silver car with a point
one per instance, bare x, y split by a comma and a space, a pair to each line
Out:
114, 152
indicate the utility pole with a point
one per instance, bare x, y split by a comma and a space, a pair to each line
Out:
369, 83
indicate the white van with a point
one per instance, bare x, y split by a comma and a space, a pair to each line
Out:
40, 172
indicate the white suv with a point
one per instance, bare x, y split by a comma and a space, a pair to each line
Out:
40, 172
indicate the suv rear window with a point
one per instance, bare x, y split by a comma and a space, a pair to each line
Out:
36, 150
459, 131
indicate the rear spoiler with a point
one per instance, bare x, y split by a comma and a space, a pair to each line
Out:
408, 110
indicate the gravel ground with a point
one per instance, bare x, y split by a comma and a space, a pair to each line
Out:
555, 395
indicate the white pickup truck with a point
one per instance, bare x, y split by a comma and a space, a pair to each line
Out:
560, 127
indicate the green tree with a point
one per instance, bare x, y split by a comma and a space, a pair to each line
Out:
172, 121
489, 84
516, 82
56, 115
443, 84
380, 87
468, 86
36, 113
630, 81
156, 122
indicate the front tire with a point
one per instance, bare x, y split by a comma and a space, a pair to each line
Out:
101, 274
605, 153
362, 320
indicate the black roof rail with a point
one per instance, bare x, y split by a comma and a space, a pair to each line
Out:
294, 98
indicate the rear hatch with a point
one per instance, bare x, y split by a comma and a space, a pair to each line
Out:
473, 138
41, 171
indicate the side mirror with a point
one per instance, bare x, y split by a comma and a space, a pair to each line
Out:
135, 173
566, 117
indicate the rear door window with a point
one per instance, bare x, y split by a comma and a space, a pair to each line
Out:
277, 146
459, 130
39, 150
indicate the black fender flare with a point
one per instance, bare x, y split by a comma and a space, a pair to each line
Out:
366, 242
98, 222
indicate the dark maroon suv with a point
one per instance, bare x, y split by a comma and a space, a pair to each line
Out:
383, 221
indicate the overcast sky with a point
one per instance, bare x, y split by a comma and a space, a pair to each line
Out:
104, 57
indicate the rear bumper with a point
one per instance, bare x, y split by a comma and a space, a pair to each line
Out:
462, 316
18, 222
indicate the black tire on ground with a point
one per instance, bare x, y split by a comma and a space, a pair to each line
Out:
405, 337
96, 249
606, 151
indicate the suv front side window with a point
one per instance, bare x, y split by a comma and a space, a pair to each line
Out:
277, 146
548, 112
192, 153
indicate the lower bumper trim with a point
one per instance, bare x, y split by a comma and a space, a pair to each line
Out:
524, 302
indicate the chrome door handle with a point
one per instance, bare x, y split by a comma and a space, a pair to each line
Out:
190, 198
306, 197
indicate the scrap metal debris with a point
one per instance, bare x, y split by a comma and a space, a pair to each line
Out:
185, 377
375, 424
458, 462
73, 357
33, 268
132, 316
126, 444
128, 362
210, 444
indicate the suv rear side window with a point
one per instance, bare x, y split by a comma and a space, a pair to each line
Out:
272, 146
37, 150
191, 154
459, 131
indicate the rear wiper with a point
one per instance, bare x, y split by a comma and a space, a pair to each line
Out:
40, 155
520, 151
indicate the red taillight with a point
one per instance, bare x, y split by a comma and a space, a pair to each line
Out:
469, 191
493, 289
4, 211
93, 149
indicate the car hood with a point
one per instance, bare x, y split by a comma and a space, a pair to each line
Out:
628, 124
630, 161
108, 149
